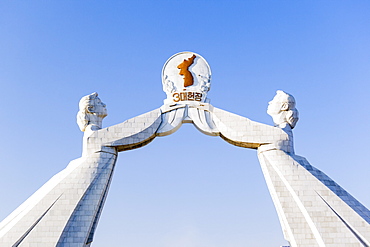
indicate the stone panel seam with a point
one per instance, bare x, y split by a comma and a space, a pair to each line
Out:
302, 208
16, 244
354, 232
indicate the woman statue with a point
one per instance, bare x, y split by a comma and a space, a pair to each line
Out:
313, 210
65, 210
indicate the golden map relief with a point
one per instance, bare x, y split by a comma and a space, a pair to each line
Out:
184, 70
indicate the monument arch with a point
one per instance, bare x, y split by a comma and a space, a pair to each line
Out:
313, 210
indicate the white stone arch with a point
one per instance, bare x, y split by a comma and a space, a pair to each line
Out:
224, 205
70, 214
313, 210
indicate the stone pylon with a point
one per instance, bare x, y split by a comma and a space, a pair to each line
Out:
65, 211
313, 210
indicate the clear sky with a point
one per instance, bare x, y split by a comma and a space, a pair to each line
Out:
186, 189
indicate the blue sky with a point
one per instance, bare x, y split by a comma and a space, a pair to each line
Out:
54, 52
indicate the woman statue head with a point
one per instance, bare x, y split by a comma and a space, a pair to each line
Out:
92, 111
282, 110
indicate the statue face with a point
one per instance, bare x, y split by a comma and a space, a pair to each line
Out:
274, 106
99, 108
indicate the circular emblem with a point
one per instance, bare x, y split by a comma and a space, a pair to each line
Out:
186, 77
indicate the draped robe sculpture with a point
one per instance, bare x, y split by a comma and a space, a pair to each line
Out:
65, 211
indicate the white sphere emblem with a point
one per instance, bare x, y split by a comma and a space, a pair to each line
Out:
186, 77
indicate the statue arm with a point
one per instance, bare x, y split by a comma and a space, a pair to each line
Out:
243, 132
133, 133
